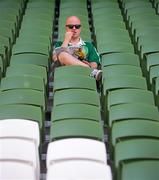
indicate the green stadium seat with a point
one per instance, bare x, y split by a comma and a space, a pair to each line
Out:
76, 128
65, 70
121, 96
133, 111
75, 111
23, 96
142, 169
22, 82
136, 149
76, 96
120, 58
133, 128
35, 59
28, 69
74, 82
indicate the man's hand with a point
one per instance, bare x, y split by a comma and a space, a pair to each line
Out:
67, 38
86, 62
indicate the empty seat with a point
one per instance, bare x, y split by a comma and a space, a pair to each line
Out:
79, 128
27, 153
141, 169
79, 169
79, 96
76, 111
133, 128
8, 129
136, 149
76, 149
16, 170
133, 111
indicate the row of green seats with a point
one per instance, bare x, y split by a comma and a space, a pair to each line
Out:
10, 18
131, 114
24, 89
110, 30
142, 22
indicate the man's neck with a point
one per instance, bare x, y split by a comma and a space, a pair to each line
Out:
75, 40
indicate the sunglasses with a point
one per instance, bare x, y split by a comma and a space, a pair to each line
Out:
71, 26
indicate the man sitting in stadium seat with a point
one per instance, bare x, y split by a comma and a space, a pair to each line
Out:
74, 51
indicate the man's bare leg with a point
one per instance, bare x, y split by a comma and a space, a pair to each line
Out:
67, 59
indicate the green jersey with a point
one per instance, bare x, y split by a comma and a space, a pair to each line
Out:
83, 51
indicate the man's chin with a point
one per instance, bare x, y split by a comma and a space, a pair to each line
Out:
75, 36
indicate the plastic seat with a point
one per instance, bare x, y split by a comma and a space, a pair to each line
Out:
141, 17
79, 128
133, 111
37, 22
21, 111
142, 169
22, 82
9, 33
16, 170
105, 48
107, 10
133, 128
34, 48
10, 152
138, 11
121, 96
10, 25
110, 31
76, 96
145, 31
124, 38
23, 96
28, 30
27, 69
76, 111
104, 4
65, 70
145, 23
136, 149
76, 149
76, 169
134, 4
40, 10
123, 81
116, 70
146, 49
35, 14
74, 82
145, 39
151, 60
46, 4
112, 23
8, 129
45, 40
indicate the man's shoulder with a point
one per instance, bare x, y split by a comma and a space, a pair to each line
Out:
88, 43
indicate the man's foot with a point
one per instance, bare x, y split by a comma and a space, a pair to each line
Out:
97, 74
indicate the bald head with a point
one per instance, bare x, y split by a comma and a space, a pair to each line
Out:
73, 20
